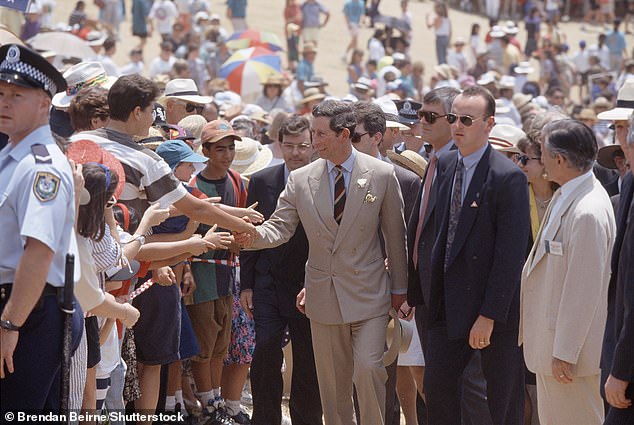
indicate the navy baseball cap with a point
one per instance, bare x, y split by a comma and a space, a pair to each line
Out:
24, 67
176, 151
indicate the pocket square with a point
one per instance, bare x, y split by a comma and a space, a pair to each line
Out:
474, 204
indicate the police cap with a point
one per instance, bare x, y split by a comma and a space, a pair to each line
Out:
24, 67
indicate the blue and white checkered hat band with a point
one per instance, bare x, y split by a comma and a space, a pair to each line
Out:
23, 68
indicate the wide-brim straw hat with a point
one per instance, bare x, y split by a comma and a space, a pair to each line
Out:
184, 89
624, 104
311, 94
82, 75
251, 156
505, 137
409, 160
397, 338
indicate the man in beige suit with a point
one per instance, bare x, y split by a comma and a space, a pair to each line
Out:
565, 281
343, 200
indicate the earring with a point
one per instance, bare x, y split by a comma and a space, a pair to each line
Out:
545, 175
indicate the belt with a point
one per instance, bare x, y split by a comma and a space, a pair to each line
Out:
49, 290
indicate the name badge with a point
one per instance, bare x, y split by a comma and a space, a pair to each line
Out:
554, 248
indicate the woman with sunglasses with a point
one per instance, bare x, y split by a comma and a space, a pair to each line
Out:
540, 194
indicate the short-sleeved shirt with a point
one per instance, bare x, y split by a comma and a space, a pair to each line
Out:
148, 179
36, 201
164, 13
238, 8
311, 12
354, 9
305, 71
215, 280
615, 41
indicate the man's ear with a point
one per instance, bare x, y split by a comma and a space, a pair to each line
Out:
345, 134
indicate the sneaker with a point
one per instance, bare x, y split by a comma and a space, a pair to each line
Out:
219, 417
286, 420
241, 418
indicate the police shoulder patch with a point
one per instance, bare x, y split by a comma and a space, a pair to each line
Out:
46, 186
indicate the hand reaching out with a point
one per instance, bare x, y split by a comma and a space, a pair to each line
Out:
153, 216
220, 240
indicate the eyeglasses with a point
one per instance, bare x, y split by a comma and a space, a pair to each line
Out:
429, 116
190, 107
523, 159
290, 147
356, 137
466, 120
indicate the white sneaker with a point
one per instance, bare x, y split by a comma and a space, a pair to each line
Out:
286, 420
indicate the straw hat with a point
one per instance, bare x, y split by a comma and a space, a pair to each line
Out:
497, 32
274, 80
506, 82
520, 100
524, 68
96, 38
184, 89
504, 137
251, 157
587, 114
624, 104
500, 107
84, 74
311, 94
398, 337
410, 160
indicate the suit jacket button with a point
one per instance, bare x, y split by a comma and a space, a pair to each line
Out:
356, 271
334, 275
475, 257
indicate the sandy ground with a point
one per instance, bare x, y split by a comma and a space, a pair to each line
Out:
267, 15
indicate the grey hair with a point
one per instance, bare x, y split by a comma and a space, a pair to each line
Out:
574, 141
443, 96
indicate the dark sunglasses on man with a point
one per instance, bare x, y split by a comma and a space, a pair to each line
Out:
356, 137
466, 120
429, 116
190, 107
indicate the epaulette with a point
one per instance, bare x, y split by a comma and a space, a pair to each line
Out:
41, 155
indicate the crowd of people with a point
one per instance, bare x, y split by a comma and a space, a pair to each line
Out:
478, 223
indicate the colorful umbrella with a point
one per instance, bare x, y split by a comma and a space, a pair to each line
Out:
247, 69
254, 38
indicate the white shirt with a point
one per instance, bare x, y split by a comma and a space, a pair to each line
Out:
132, 68
159, 66
163, 13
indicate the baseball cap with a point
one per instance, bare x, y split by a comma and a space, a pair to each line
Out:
176, 151
216, 130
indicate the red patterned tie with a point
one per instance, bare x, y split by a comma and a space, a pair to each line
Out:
340, 194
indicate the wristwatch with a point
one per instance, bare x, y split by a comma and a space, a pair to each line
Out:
141, 239
7, 325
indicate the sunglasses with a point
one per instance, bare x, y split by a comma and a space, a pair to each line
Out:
429, 116
290, 147
466, 120
190, 107
523, 159
356, 137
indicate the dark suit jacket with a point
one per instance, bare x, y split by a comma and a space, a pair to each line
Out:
485, 264
612, 188
418, 279
410, 186
618, 343
282, 266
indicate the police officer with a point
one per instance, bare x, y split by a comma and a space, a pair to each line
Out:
36, 217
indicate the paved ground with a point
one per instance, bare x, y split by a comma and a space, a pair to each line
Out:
267, 15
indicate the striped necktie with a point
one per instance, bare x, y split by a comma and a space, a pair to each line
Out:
340, 194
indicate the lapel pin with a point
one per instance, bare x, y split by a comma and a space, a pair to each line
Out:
474, 204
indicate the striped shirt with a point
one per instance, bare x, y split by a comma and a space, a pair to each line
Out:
148, 179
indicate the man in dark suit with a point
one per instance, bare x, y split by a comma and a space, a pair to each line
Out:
367, 138
270, 281
482, 220
422, 233
619, 387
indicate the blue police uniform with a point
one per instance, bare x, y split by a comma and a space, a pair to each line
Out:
36, 201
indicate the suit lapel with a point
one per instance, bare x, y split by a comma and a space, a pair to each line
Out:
470, 204
354, 197
320, 191
548, 233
